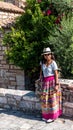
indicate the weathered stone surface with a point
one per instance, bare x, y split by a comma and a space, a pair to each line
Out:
7, 106
3, 100
9, 72
18, 99
20, 79
68, 109
11, 101
27, 100
18, 120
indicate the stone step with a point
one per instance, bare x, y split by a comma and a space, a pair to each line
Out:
68, 109
19, 100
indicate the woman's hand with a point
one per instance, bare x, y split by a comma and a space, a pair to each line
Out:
56, 87
40, 77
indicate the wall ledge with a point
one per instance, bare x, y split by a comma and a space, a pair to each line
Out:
29, 102
19, 100
66, 83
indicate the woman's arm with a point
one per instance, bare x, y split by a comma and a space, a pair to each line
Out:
56, 80
41, 74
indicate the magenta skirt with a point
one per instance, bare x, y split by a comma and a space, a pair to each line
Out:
51, 101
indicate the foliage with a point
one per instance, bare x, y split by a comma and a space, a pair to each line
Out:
32, 31
63, 48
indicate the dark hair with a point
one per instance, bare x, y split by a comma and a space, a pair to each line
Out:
43, 60
52, 56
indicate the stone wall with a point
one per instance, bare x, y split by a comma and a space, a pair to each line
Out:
28, 101
19, 100
11, 77
67, 96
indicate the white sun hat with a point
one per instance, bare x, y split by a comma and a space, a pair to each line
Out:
46, 51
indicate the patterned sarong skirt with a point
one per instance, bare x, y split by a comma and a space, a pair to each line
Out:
51, 100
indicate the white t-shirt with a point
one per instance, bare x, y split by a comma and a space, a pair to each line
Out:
49, 70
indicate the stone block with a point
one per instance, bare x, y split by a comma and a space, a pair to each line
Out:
20, 79
71, 99
7, 106
11, 101
12, 78
13, 83
38, 106
3, 100
1, 105
6, 66
8, 95
11, 87
1, 57
3, 62
21, 87
68, 109
17, 97
4, 48
28, 105
30, 96
0, 48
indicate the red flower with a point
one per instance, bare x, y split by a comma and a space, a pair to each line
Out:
39, 1
49, 12
58, 20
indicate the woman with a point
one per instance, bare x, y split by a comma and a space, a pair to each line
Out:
51, 92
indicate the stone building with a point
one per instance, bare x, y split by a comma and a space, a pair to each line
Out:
11, 76
19, 3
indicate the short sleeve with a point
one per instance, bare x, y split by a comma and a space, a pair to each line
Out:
55, 67
41, 63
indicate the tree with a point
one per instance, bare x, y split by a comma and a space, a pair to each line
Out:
32, 31
63, 48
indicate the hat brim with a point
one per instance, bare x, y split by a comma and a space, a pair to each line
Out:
47, 53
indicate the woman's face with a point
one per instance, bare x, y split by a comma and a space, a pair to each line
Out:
47, 56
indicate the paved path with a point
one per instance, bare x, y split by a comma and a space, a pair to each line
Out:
16, 120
